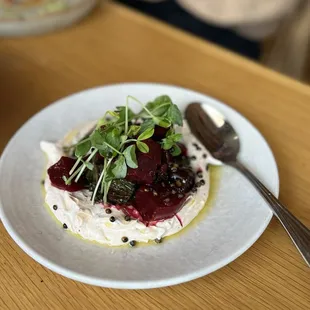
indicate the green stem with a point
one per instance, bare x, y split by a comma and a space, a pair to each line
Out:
73, 175
101, 178
74, 145
84, 166
106, 190
75, 165
104, 168
111, 147
142, 105
97, 186
129, 140
126, 116
160, 106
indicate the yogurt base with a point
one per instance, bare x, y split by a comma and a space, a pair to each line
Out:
91, 222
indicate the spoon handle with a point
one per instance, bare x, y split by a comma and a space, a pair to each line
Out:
298, 232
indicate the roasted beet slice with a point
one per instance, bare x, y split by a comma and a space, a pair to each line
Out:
148, 164
182, 178
157, 203
62, 168
183, 149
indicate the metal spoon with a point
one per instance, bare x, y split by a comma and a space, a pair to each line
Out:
221, 140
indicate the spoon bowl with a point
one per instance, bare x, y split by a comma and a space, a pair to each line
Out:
214, 132
222, 141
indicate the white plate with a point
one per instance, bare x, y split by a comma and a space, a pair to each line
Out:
236, 219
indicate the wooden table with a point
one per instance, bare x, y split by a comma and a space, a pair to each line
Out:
114, 45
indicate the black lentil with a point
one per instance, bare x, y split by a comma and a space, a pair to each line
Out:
198, 184
194, 189
55, 207
127, 218
158, 240
193, 158
204, 155
108, 211
124, 239
132, 243
112, 219
42, 182
64, 226
198, 148
199, 174
202, 182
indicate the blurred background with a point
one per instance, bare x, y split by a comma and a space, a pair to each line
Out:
273, 32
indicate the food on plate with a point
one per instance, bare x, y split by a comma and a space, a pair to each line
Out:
128, 177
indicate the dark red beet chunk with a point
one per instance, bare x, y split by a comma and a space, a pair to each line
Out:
159, 133
157, 203
183, 149
60, 169
147, 164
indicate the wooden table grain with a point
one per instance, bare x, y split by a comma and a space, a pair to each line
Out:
116, 44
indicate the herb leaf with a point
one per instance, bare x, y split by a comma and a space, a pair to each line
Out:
160, 105
176, 150
104, 120
96, 138
175, 115
88, 165
148, 133
130, 156
109, 175
163, 122
167, 143
147, 124
143, 147
170, 140
82, 148
113, 137
133, 130
120, 168
175, 137
122, 114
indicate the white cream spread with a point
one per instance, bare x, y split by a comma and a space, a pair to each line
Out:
93, 223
